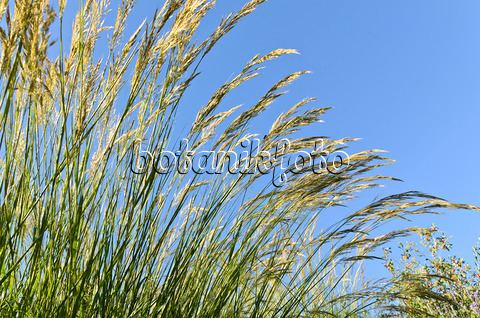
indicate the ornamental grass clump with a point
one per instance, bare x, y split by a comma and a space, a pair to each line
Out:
82, 234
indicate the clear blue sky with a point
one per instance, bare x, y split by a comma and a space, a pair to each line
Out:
404, 75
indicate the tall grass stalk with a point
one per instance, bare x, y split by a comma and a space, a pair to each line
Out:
81, 235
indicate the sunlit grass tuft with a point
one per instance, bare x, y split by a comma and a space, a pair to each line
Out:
82, 235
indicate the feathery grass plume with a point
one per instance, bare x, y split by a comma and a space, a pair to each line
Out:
83, 234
